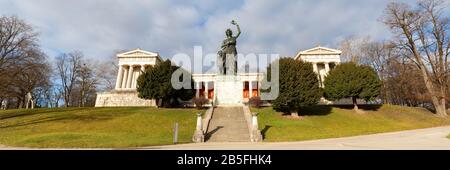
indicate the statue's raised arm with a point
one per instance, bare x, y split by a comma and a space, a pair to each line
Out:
238, 28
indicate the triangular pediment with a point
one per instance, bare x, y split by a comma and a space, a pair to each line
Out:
138, 53
319, 51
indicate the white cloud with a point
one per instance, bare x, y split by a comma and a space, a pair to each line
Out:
100, 27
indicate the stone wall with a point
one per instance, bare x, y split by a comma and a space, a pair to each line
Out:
228, 90
122, 99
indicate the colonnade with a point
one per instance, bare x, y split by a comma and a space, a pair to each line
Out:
127, 76
199, 85
205, 85
321, 75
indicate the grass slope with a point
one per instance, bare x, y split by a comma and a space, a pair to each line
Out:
95, 127
331, 122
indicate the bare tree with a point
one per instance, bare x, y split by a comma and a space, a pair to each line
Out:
106, 73
423, 33
68, 67
57, 95
378, 55
402, 84
353, 48
23, 66
33, 74
87, 82
15, 35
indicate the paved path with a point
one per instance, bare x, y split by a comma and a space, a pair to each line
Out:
432, 138
228, 124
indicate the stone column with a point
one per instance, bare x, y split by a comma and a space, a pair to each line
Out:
133, 75
119, 77
259, 88
250, 89
125, 78
199, 122
254, 120
199, 136
214, 91
139, 73
256, 135
130, 76
142, 70
206, 90
135, 79
327, 68
197, 89
134, 82
315, 68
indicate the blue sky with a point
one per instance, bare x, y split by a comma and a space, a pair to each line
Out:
100, 27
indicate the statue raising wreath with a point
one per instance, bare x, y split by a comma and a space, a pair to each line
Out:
227, 55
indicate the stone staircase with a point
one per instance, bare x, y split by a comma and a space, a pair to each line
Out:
228, 124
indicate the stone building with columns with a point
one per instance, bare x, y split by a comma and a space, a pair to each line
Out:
323, 60
210, 86
131, 66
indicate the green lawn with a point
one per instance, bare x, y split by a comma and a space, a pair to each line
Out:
331, 122
95, 127
134, 126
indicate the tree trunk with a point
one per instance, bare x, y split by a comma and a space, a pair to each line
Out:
441, 109
294, 114
159, 102
438, 100
66, 101
355, 104
385, 93
167, 103
81, 104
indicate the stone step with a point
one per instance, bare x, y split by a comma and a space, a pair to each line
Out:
228, 124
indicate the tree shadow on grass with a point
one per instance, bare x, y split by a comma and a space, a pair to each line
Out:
264, 131
318, 110
364, 107
27, 113
61, 117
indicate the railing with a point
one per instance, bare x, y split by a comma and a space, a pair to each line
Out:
202, 126
252, 123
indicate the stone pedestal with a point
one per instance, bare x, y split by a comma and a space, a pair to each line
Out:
255, 134
122, 98
199, 136
228, 90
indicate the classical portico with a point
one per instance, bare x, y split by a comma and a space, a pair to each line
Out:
131, 65
323, 60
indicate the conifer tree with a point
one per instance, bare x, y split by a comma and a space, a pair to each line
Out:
155, 83
299, 86
349, 80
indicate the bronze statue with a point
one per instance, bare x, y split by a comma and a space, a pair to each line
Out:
227, 60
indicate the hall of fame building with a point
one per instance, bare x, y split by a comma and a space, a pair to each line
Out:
133, 63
